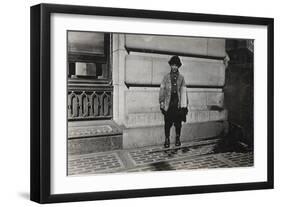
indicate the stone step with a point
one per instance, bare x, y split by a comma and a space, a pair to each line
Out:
95, 128
93, 136
80, 146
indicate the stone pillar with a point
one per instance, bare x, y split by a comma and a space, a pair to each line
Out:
118, 76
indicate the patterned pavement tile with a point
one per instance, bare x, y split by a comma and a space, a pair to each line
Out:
240, 159
152, 155
94, 163
192, 155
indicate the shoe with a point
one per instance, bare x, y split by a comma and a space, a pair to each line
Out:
178, 142
167, 143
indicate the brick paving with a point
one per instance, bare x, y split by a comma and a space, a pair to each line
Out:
191, 155
183, 164
240, 159
94, 163
157, 154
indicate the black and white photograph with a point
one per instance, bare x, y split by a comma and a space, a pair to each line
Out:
139, 103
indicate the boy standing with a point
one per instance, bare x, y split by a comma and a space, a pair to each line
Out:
173, 100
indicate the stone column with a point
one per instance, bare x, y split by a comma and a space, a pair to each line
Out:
118, 76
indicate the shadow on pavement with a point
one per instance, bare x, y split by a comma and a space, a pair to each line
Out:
233, 141
161, 166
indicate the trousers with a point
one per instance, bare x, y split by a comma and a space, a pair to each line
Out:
171, 118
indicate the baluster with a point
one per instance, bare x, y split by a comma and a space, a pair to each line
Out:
110, 108
70, 105
90, 105
102, 104
84, 104
106, 104
95, 104
75, 105
80, 107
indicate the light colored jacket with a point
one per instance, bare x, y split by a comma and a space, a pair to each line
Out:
166, 89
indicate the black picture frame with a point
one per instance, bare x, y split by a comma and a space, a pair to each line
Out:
40, 102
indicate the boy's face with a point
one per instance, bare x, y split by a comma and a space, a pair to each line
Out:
174, 68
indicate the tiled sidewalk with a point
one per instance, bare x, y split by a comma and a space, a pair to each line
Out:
191, 155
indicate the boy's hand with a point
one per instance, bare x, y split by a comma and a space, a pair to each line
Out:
185, 110
162, 106
163, 111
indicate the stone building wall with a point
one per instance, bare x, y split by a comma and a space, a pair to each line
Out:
137, 74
